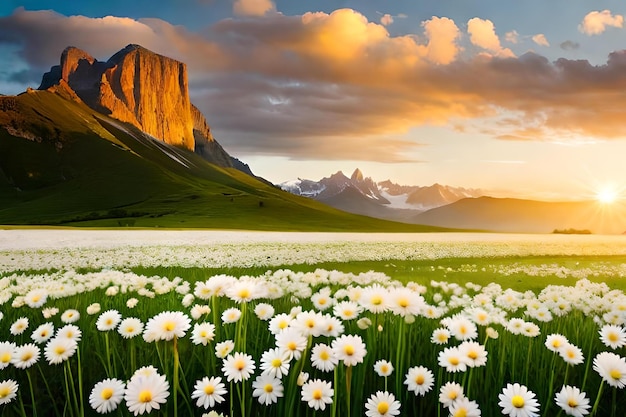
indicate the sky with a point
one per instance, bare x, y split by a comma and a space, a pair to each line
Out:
517, 98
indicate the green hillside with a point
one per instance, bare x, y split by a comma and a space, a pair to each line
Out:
80, 168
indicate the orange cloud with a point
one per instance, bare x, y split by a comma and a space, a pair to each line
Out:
483, 34
442, 34
594, 23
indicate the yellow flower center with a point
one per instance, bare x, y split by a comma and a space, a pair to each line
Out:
472, 355
240, 364
59, 350
454, 361
403, 302
310, 323
169, 326
203, 333
572, 402
145, 396
419, 380
349, 350
244, 293
615, 374
517, 401
348, 313
482, 316
106, 393
317, 394
461, 412
377, 300
383, 407
4, 392
291, 345
462, 330
6, 357
384, 369
442, 337
209, 389
36, 298
276, 363
321, 301
130, 329
283, 325
26, 356
268, 388
613, 337
452, 395
108, 322
324, 355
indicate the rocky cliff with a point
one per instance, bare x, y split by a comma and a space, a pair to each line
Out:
142, 88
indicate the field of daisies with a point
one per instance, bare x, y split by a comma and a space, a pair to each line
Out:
84, 331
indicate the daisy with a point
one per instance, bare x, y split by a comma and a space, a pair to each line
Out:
167, 325
382, 404
36, 298
43, 333
322, 299
440, 336
70, 331
571, 354
517, 401
203, 333
383, 368
333, 327
404, 302
92, 309
19, 326
199, 310
148, 370
419, 379
267, 388
209, 391
347, 310
8, 391
449, 393
264, 311
317, 393
145, 393
222, 349
611, 367
463, 407
350, 349
309, 323
130, 327
375, 299
106, 395
71, 315
275, 363
108, 320
555, 341
475, 353
279, 323
613, 336
238, 367
49, 312
462, 328
243, 291
323, 358
25, 356
291, 341
572, 401
452, 359
515, 325
59, 350
530, 329
6, 353
231, 315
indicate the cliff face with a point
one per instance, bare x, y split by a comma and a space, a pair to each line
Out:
136, 86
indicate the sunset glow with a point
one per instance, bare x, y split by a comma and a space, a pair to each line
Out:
415, 92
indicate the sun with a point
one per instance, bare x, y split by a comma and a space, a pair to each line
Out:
606, 195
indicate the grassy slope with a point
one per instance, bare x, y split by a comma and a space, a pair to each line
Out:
92, 171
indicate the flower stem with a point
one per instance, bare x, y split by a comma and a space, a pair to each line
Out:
176, 365
348, 386
32, 393
594, 410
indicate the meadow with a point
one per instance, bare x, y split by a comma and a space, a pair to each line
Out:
260, 324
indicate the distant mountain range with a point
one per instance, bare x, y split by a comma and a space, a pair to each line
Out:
459, 208
384, 199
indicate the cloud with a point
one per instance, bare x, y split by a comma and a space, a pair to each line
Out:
442, 34
596, 22
252, 7
483, 34
386, 19
311, 85
569, 45
512, 36
540, 39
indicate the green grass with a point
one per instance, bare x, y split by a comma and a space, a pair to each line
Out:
85, 171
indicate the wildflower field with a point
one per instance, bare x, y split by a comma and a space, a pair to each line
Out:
290, 325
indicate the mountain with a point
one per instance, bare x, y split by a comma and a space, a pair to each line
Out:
385, 200
526, 216
137, 86
75, 153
